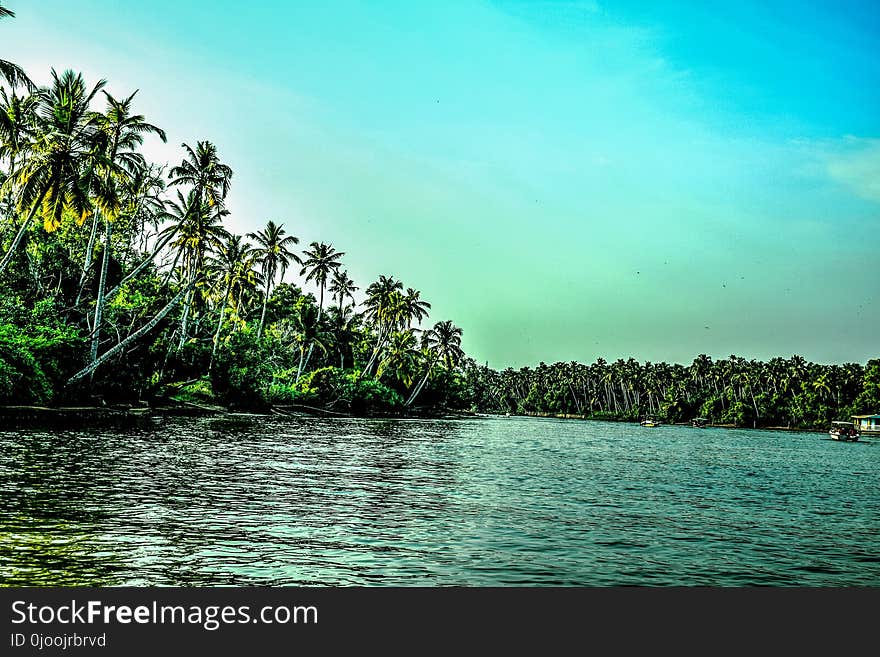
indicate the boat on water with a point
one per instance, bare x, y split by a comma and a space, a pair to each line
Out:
699, 422
843, 431
650, 422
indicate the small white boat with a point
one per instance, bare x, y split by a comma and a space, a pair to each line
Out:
843, 431
650, 422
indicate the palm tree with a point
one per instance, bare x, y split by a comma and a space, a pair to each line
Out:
416, 308
320, 260
17, 130
145, 202
203, 171
54, 177
275, 256
14, 74
124, 133
144, 205
385, 307
195, 231
233, 266
122, 344
443, 343
308, 331
342, 287
401, 356
345, 326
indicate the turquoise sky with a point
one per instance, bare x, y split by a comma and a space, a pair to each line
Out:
563, 179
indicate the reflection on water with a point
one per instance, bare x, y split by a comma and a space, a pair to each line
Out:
315, 501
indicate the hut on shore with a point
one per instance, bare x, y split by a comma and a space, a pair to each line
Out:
867, 424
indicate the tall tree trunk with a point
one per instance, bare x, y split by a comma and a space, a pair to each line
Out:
87, 262
418, 388
102, 282
263, 313
380, 338
225, 303
184, 320
86, 371
21, 231
10, 201
141, 266
317, 321
299, 369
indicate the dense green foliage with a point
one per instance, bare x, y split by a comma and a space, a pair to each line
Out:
122, 284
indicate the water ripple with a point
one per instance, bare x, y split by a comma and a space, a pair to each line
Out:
312, 502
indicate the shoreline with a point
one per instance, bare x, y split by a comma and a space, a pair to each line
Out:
25, 416
574, 416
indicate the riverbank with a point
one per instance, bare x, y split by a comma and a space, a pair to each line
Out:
572, 416
22, 416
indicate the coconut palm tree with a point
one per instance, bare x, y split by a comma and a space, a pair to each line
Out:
442, 343
204, 172
320, 261
308, 330
144, 204
124, 133
346, 330
233, 267
400, 357
275, 255
385, 307
17, 130
416, 308
54, 177
195, 231
342, 287
122, 344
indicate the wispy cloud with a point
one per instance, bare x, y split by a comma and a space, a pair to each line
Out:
855, 163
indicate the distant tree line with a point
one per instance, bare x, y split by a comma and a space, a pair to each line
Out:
780, 392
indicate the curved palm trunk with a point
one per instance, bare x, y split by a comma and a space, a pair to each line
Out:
184, 321
187, 305
10, 203
220, 325
21, 231
263, 313
137, 270
380, 341
317, 321
299, 369
99, 302
418, 388
87, 262
86, 371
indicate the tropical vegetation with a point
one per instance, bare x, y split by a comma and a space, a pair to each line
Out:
122, 282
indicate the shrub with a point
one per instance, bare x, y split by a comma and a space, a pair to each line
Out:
34, 365
240, 373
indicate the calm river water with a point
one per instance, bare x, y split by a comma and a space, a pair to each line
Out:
478, 502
